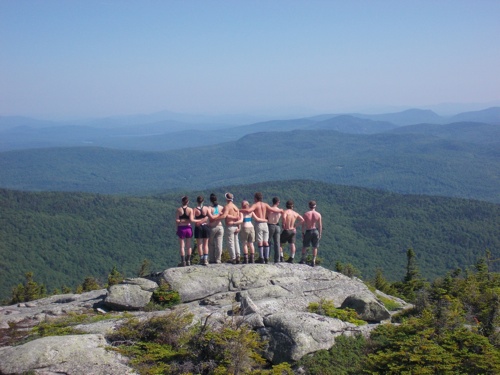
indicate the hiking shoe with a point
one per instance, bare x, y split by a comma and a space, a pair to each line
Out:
290, 260
302, 261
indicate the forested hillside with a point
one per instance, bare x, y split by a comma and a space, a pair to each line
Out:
65, 237
402, 163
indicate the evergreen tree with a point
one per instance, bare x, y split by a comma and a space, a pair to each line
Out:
29, 291
114, 277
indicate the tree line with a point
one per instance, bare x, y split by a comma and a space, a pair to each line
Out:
65, 237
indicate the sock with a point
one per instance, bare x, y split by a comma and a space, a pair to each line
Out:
266, 252
261, 251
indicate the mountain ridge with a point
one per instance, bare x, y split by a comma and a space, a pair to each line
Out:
128, 132
413, 163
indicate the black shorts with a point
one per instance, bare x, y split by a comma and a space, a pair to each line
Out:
287, 235
202, 231
311, 238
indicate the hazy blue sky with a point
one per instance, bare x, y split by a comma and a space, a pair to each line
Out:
99, 58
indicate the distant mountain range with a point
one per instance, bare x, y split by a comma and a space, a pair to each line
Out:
168, 131
455, 160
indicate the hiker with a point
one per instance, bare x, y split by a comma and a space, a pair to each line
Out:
311, 232
288, 234
262, 230
215, 218
247, 234
202, 230
231, 215
183, 219
273, 225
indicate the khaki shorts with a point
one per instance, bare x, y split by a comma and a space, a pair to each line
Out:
247, 234
262, 230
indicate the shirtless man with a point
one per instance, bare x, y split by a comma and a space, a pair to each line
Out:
262, 231
232, 215
311, 232
273, 224
289, 221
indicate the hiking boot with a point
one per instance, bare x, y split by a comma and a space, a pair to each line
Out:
245, 259
266, 260
252, 260
290, 260
281, 259
182, 264
237, 260
302, 261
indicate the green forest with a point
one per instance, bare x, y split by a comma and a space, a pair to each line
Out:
63, 238
401, 163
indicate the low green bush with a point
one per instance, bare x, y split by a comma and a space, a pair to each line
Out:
327, 308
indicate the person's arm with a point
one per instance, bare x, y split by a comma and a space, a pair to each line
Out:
240, 220
212, 216
233, 217
274, 209
249, 209
320, 225
224, 212
300, 222
204, 211
177, 215
191, 217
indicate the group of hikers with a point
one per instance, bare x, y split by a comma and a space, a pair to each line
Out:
257, 222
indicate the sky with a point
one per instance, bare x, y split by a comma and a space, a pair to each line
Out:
92, 58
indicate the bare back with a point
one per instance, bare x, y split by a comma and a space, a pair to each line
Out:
312, 220
289, 219
232, 213
260, 211
273, 217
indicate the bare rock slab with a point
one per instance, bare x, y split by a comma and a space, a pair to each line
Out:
71, 355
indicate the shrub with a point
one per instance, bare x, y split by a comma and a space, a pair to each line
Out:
114, 277
165, 296
169, 344
344, 358
326, 307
